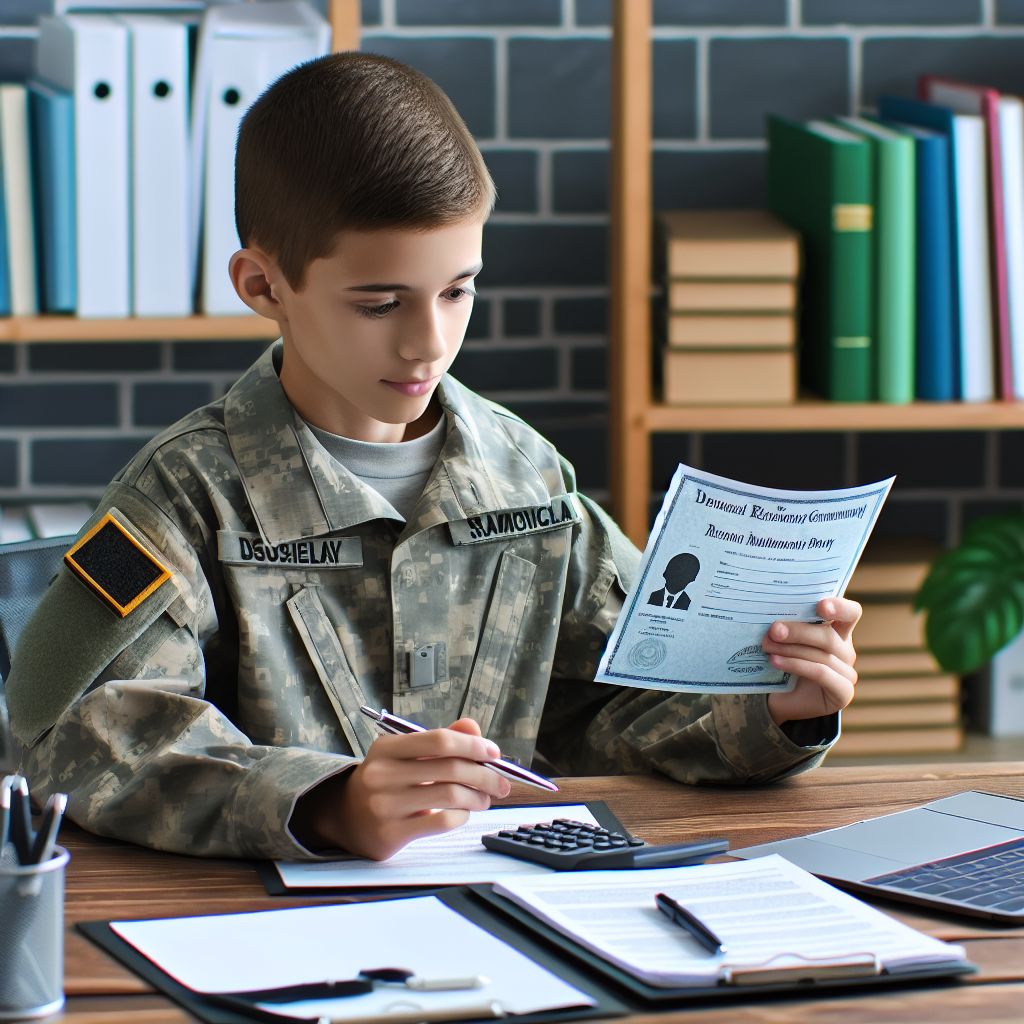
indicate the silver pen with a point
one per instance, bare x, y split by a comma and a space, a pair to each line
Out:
400, 727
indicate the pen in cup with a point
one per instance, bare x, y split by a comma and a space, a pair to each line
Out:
679, 915
400, 727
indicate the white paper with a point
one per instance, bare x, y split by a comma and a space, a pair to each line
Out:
276, 948
758, 908
724, 561
452, 858
59, 519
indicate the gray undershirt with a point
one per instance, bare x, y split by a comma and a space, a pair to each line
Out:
397, 472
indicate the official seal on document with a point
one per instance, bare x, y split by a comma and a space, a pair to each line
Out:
748, 660
648, 653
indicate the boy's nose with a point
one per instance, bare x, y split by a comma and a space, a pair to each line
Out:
427, 342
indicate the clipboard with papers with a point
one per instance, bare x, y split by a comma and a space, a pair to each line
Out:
582, 975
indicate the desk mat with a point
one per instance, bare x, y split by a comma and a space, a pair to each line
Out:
271, 880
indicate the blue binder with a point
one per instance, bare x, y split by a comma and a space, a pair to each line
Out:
52, 114
938, 311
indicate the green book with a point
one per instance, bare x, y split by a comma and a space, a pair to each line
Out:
894, 169
819, 182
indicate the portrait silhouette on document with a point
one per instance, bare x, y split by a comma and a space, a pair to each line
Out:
680, 572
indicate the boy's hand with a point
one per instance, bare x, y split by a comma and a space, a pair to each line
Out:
820, 655
406, 787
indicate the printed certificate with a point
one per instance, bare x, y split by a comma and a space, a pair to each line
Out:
724, 561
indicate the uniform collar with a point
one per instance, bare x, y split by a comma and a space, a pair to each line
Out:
295, 489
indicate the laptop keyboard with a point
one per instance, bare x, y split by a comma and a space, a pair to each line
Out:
992, 878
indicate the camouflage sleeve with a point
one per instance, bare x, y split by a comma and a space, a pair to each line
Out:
592, 728
115, 716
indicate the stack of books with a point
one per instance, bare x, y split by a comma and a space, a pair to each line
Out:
731, 286
904, 702
117, 157
913, 225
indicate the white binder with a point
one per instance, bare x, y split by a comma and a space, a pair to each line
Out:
17, 179
161, 258
242, 50
87, 54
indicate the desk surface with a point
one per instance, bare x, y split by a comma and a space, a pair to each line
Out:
109, 880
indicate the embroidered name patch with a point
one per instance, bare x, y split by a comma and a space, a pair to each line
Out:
115, 566
249, 549
516, 522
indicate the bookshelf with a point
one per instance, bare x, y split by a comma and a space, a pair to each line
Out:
344, 16
633, 412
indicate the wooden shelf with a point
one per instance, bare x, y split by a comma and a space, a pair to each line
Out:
185, 328
814, 414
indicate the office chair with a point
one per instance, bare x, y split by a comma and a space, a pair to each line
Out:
25, 572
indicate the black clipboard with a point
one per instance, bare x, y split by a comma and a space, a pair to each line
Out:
271, 879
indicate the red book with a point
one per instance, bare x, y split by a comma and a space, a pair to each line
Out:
965, 98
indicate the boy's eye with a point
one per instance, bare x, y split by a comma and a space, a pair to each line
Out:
460, 293
375, 312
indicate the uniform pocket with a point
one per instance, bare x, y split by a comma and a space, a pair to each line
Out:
332, 666
494, 655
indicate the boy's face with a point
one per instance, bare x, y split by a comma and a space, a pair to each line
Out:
374, 327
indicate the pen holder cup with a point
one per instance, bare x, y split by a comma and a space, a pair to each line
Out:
32, 937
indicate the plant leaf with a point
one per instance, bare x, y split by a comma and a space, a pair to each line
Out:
975, 594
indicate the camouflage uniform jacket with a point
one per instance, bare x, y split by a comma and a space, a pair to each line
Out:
297, 594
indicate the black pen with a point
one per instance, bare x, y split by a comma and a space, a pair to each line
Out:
400, 727
5, 807
21, 821
46, 837
678, 914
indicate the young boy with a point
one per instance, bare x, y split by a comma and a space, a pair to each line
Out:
351, 526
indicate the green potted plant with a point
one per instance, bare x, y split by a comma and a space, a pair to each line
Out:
974, 594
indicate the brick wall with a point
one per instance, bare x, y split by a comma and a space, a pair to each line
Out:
531, 78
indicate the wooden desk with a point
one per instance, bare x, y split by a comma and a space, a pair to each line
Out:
109, 880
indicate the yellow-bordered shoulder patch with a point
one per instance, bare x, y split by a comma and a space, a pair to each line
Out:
115, 566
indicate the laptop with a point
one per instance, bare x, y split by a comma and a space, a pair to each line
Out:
963, 853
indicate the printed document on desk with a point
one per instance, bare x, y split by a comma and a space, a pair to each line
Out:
779, 915
452, 858
724, 561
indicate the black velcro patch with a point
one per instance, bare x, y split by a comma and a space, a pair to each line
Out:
115, 567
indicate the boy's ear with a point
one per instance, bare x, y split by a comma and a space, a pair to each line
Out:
254, 276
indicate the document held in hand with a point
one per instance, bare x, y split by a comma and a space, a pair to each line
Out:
724, 561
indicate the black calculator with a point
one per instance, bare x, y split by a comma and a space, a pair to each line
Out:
567, 845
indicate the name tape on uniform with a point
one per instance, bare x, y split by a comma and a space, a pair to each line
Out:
516, 522
249, 549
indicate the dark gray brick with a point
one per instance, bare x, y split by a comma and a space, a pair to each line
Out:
6, 359
161, 404
216, 355
480, 320
515, 177
675, 89
581, 316
586, 447
463, 67
1010, 12
521, 318
914, 519
800, 78
667, 451
17, 59
579, 181
709, 180
888, 12
693, 12
58, 405
589, 369
810, 462
24, 12
975, 510
530, 369
558, 88
943, 459
544, 254
544, 413
8, 463
370, 13
892, 65
472, 12
95, 357
78, 462
1011, 458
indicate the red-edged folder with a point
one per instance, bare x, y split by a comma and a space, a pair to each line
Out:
966, 98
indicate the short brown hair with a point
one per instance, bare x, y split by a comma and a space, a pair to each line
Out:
351, 142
